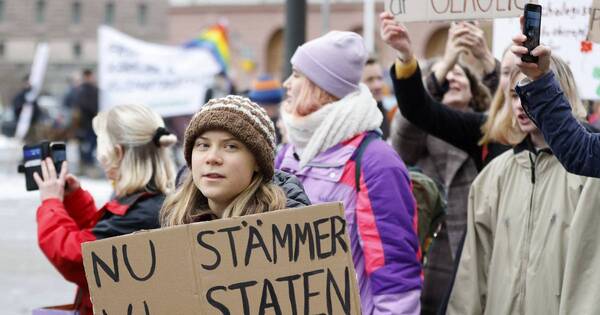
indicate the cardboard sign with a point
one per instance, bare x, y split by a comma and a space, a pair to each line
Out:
436, 10
594, 34
565, 25
293, 261
171, 80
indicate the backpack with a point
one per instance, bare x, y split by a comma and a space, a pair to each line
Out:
429, 197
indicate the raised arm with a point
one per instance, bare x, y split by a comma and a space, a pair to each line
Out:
577, 149
461, 129
544, 101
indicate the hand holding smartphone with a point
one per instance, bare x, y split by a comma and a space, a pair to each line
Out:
531, 29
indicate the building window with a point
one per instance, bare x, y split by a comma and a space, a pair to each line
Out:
142, 13
1, 10
40, 8
109, 13
76, 12
77, 50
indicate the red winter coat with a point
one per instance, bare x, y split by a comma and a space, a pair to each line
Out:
64, 226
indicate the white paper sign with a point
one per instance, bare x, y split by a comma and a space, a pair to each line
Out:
594, 34
170, 80
565, 26
36, 80
436, 10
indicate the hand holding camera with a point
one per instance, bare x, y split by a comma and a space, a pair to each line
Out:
49, 184
52, 185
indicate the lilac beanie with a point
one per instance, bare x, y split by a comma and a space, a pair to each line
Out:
334, 61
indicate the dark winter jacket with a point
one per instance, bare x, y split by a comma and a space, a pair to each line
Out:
385, 124
86, 102
64, 226
293, 189
460, 129
577, 149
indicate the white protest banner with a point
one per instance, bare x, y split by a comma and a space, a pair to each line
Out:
36, 80
594, 34
565, 26
446, 10
293, 261
171, 80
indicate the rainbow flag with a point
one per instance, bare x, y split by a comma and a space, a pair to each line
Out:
216, 40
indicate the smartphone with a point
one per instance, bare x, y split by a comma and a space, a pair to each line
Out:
531, 29
33, 155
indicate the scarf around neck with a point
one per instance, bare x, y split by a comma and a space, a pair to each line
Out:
333, 123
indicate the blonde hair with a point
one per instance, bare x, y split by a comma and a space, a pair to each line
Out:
491, 129
188, 203
510, 132
311, 98
144, 165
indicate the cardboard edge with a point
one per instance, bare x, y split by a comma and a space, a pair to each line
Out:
356, 295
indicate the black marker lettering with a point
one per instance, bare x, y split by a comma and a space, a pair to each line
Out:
152, 267
338, 234
303, 236
307, 293
242, 287
230, 231
112, 273
255, 234
209, 247
268, 292
281, 240
292, 292
319, 237
214, 303
345, 300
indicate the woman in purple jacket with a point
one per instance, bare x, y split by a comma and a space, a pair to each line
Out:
328, 115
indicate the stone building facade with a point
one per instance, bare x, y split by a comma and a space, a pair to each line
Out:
69, 27
256, 30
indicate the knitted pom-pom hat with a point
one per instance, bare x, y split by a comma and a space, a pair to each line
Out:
242, 118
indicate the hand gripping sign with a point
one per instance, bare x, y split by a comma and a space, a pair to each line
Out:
284, 262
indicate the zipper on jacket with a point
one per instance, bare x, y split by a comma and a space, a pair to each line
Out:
529, 231
532, 169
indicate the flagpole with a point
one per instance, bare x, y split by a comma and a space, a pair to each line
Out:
369, 24
295, 31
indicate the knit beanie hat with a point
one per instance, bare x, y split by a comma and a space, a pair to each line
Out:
334, 61
266, 90
245, 120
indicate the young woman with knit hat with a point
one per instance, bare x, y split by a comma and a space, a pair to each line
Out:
133, 151
229, 147
332, 123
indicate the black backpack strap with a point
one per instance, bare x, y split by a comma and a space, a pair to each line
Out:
358, 156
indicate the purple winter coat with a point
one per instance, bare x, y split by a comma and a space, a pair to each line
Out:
381, 219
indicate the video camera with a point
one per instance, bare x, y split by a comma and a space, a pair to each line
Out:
33, 155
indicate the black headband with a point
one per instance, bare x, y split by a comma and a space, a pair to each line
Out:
160, 131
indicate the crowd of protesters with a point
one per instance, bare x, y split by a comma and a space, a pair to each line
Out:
506, 141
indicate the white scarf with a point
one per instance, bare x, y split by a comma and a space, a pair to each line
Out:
335, 122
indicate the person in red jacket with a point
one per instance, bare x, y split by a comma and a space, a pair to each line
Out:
132, 150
